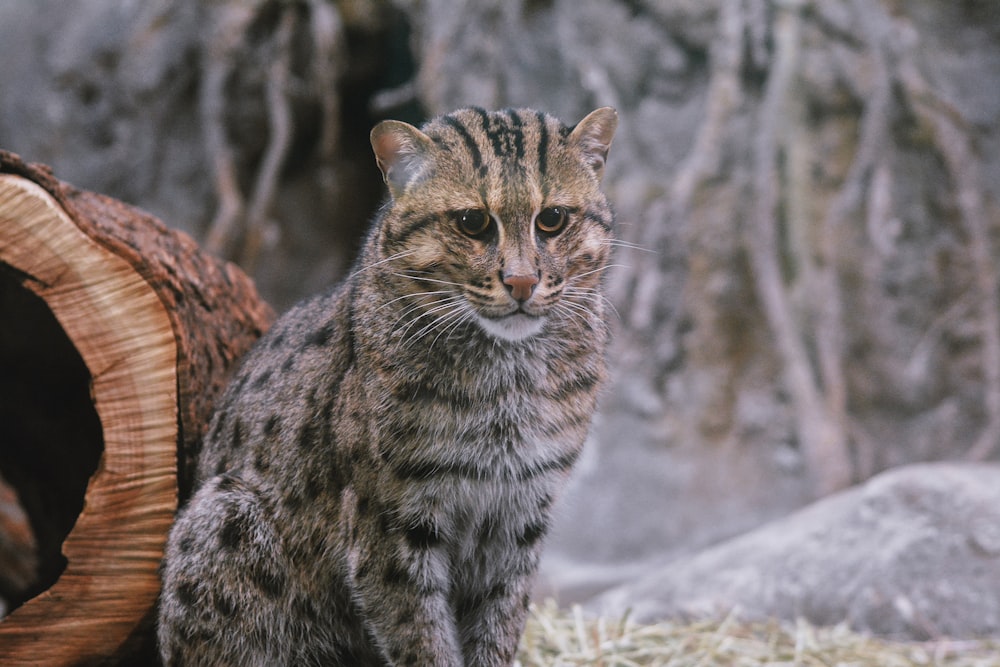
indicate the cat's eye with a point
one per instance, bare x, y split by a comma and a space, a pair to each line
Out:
472, 221
551, 220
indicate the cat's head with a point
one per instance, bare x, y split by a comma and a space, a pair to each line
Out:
496, 218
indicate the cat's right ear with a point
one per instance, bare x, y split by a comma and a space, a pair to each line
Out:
593, 135
401, 152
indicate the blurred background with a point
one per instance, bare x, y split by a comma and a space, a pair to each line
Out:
812, 189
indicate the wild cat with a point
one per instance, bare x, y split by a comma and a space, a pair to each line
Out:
377, 480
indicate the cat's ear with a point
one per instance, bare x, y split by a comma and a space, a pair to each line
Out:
401, 151
593, 135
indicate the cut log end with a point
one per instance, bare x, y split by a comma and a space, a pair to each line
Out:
106, 383
45, 404
108, 395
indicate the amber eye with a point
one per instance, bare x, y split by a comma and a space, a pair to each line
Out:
472, 221
552, 219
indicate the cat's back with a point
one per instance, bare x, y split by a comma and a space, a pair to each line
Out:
287, 381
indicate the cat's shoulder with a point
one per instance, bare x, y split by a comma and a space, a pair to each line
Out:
312, 334
317, 321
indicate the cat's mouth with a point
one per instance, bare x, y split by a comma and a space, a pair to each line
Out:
514, 326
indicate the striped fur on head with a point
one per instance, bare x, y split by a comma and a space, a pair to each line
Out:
506, 203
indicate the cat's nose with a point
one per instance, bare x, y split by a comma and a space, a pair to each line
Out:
521, 287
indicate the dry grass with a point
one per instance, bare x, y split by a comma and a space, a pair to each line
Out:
557, 637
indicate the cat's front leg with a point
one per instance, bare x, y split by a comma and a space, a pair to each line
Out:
403, 594
491, 632
491, 621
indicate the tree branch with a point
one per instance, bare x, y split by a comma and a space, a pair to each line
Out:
702, 161
822, 438
828, 329
280, 127
955, 146
328, 54
219, 57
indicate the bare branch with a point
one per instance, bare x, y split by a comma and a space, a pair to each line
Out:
280, 127
822, 438
829, 323
955, 145
219, 58
328, 45
702, 161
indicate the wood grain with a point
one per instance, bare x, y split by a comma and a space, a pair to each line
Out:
159, 324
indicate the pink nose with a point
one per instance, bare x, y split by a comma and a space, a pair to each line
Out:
520, 287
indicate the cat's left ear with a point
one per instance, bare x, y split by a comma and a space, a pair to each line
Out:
401, 151
593, 135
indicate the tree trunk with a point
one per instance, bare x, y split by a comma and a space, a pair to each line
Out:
117, 336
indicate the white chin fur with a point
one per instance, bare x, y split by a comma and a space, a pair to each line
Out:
512, 327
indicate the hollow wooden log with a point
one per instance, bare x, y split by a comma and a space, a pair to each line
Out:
116, 336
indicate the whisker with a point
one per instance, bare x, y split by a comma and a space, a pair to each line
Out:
598, 270
417, 306
390, 258
429, 280
576, 290
432, 308
578, 307
453, 311
464, 316
434, 305
571, 313
441, 305
587, 316
412, 296
591, 293
618, 243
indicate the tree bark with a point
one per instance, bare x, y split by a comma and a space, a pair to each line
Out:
158, 325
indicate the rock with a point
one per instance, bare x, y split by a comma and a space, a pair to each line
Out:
912, 554
633, 503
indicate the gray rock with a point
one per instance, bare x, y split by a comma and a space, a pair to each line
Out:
912, 554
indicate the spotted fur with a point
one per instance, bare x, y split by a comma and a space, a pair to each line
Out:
378, 478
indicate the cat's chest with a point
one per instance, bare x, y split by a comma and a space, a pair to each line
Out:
483, 477
462, 433
480, 450
483, 519
464, 405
